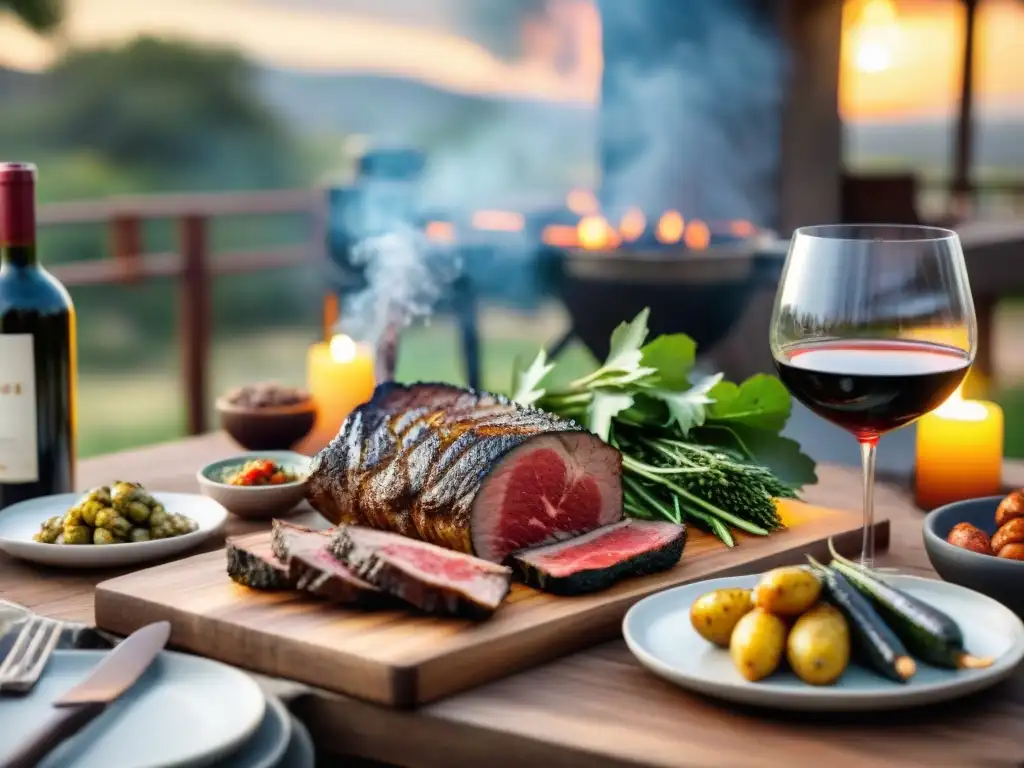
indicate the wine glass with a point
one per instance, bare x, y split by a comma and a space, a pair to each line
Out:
873, 327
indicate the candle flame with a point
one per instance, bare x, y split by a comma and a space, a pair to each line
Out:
343, 349
957, 409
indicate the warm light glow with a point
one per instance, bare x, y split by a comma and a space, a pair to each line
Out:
595, 233
958, 409
560, 236
670, 227
632, 225
742, 228
499, 221
343, 349
698, 236
582, 202
875, 35
440, 231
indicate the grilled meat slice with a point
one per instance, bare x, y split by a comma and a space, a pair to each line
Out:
433, 579
598, 559
473, 472
311, 566
251, 563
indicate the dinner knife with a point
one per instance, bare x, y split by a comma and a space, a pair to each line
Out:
114, 675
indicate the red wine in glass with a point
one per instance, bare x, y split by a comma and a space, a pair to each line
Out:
857, 313
870, 387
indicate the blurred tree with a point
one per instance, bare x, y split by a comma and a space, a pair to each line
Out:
42, 16
188, 117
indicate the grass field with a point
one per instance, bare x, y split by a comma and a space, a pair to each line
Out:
120, 411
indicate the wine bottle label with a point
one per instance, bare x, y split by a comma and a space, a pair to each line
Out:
19, 458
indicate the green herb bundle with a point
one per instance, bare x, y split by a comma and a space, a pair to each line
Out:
708, 450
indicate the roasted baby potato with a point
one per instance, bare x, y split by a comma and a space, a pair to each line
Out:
787, 591
818, 646
1011, 532
1012, 552
967, 536
715, 614
757, 644
1010, 508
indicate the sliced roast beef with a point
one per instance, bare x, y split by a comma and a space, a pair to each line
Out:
432, 578
598, 559
472, 472
251, 563
311, 566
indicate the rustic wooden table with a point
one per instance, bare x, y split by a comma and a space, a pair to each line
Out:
599, 707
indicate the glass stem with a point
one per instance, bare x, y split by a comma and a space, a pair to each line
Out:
867, 455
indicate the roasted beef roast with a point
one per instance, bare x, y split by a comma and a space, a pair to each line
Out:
432, 578
598, 559
472, 472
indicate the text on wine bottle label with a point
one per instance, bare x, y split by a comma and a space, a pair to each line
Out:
19, 460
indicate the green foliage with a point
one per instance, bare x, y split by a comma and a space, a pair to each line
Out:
706, 449
42, 16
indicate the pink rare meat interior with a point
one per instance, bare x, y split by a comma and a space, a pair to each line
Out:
454, 567
544, 494
601, 551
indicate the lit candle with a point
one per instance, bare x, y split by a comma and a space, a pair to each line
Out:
959, 452
339, 377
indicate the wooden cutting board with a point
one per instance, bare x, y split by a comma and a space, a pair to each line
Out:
401, 659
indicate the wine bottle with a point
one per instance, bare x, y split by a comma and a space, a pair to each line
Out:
37, 354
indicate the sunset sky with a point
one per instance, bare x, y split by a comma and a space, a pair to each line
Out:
892, 67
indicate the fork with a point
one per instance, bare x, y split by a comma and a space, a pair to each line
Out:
28, 656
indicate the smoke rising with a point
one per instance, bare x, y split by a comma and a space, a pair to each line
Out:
691, 117
406, 277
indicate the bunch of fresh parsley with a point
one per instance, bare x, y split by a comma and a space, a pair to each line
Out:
705, 450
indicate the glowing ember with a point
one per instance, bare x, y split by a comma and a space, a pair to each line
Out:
440, 231
741, 228
499, 221
560, 236
595, 233
670, 227
698, 236
582, 202
632, 225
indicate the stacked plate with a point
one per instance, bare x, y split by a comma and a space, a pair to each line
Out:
184, 711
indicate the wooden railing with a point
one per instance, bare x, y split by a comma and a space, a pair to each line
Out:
193, 264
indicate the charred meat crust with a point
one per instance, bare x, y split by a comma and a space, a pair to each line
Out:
413, 458
312, 568
248, 567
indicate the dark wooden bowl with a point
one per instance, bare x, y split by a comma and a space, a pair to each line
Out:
273, 428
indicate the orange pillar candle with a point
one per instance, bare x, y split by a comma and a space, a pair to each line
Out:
959, 452
339, 376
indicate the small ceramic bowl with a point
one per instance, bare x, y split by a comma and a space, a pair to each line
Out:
997, 577
256, 502
270, 428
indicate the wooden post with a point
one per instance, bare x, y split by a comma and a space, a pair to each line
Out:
195, 319
126, 239
960, 199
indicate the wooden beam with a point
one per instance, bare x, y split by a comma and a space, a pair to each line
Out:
195, 319
960, 199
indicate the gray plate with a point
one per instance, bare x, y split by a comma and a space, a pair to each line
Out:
184, 711
267, 746
301, 753
658, 632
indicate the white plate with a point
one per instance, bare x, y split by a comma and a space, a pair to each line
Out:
19, 522
266, 748
184, 711
658, 632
